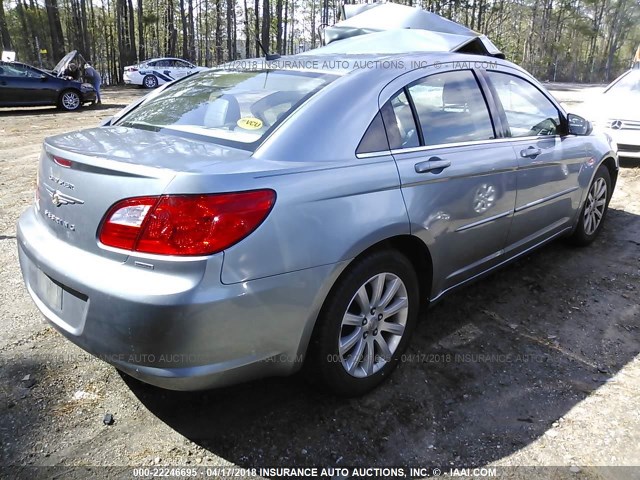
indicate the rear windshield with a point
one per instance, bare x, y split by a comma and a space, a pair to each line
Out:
236, 108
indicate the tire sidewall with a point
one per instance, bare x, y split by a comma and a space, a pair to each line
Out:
326, 336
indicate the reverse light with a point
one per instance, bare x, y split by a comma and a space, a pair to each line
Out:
185, 224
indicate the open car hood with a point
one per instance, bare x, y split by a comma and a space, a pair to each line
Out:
62, 65
393, 28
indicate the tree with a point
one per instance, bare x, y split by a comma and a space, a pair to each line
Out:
5, 38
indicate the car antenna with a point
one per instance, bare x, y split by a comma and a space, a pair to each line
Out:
268, 56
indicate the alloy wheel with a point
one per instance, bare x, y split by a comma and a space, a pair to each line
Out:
595, 206
70, 101
373, 325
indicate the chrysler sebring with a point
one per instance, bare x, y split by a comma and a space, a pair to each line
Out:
240, 223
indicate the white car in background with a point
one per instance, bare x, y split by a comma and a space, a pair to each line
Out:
158, 71
617, 112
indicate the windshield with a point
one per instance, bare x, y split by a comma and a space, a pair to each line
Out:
236, 108
629, 84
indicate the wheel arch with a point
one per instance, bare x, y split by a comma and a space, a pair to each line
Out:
612, 166
410, 246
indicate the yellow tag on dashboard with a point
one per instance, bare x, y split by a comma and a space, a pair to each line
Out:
250, 123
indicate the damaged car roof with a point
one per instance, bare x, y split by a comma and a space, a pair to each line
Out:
393, 28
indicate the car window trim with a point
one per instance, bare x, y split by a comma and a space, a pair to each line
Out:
564, 130
414, 112
426, 148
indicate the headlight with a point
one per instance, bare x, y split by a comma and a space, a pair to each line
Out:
85, 87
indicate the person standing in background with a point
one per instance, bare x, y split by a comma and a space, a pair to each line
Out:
93, 77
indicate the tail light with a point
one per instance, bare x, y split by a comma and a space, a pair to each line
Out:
185, 224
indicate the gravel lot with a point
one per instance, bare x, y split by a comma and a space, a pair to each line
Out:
536, 365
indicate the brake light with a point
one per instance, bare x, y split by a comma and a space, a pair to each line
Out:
185, 224
63, 162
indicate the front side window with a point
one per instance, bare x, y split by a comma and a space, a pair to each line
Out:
528, 111
235, 108
451, 108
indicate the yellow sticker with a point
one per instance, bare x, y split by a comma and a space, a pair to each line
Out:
250, 123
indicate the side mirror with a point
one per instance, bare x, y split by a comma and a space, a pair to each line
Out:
43, 78
578, 125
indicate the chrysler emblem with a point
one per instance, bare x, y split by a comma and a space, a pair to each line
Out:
616, 124
58, 198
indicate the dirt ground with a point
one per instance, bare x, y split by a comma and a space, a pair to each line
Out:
538, 365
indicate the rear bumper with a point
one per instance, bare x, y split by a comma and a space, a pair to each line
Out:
185, 330
132, 79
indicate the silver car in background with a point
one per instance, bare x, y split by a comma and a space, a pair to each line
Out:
239, 222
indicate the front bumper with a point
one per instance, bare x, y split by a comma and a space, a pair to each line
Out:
627, 140
183, 330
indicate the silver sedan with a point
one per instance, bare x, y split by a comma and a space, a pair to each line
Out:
240, 223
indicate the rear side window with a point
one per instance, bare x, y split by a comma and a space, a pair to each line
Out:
528, 111
451, 108
375, 138
236, 108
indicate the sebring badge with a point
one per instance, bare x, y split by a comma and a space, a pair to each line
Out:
58, 198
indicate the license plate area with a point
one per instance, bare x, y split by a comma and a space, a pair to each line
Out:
49, 291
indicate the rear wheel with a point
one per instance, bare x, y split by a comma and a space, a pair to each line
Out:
69, 100
594, 210
366, 323
150, 81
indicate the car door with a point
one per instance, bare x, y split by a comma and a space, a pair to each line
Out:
458, 178
549, 161
180, 69
22, 85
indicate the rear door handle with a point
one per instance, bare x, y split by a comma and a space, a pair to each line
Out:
431, 165
530, 152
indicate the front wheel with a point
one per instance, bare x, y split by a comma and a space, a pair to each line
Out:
69, 101
366, 323
594, 210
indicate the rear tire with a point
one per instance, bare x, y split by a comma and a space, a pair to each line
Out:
365, 323
594, 210
150, 81
69, 100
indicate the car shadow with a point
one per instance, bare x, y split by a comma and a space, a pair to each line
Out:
489, 370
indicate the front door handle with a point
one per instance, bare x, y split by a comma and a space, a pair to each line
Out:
530, 152
431, 165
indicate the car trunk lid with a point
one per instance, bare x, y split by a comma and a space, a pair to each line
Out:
82, 174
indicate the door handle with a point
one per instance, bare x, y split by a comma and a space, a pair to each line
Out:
431, 165
530, 152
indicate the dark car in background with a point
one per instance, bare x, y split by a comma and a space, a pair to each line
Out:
22, 85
